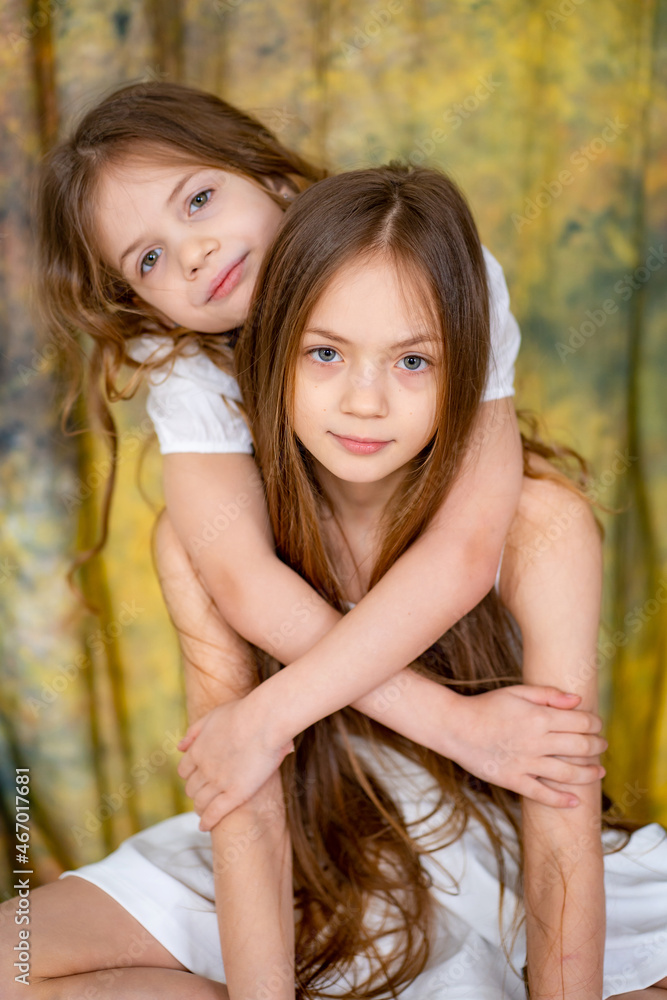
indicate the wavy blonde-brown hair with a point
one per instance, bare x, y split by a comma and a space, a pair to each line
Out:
76, 291
353, 852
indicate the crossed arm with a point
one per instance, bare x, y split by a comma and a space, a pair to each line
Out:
360, 659
419, 714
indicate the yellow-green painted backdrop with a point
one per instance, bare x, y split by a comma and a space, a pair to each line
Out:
552, 116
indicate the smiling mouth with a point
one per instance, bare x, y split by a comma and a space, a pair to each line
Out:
227, 280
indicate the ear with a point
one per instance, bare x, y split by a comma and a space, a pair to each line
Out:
281, 186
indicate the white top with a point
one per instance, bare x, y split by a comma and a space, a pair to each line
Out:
193, 403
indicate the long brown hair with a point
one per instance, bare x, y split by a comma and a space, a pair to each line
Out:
353, 852
351, 846
76, 291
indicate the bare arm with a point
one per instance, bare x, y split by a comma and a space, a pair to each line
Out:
439, 579
251, 845
556, 601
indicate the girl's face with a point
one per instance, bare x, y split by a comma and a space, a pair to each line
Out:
367, 375
189, 241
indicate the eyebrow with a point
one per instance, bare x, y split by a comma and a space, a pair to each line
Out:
174, 194
423, 338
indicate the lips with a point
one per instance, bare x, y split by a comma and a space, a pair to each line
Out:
227, 279
360, 446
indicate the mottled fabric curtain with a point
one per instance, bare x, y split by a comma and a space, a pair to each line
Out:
552, 116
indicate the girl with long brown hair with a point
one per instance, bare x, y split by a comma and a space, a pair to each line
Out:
153, 218
400, 856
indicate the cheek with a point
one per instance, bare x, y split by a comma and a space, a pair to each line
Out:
428, 413
300, 402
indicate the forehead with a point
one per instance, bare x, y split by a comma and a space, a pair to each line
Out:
137, 171
379, 291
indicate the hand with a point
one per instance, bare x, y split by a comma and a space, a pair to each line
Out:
226, 761
512, 738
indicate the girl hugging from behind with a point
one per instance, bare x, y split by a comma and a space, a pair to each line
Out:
154, 218
376, 369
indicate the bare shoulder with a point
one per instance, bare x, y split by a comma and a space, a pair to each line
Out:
554, 533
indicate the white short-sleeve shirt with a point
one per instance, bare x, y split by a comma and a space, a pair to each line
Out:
193, 403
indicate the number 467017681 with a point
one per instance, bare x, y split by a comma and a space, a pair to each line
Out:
22, 813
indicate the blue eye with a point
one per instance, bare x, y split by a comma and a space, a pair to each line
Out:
413, 359
150, 260
323, 353
201, 199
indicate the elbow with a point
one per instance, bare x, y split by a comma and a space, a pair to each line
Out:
483, 557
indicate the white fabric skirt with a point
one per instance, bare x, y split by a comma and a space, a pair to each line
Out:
163, 877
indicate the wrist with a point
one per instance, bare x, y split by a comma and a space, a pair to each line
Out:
268, 719
456, 709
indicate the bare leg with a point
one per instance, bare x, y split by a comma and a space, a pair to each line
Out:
254, 895
82, 942
81, 938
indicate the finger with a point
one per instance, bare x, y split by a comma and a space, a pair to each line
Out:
566, 773
194, 783
537, 792
220, 807
545, 695
191, 735
204, 796
575, 722
576, 745
186, 767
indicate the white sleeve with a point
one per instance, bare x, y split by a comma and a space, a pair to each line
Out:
192, 404
505, 334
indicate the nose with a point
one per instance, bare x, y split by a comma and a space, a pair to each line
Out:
365, 394
193, 252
